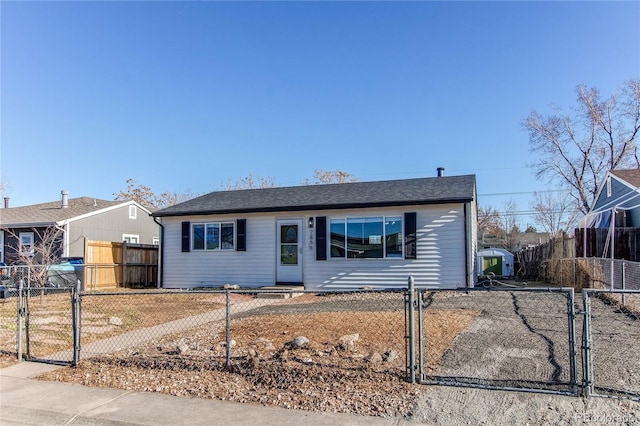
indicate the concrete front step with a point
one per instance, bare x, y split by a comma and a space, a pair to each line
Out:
280, 292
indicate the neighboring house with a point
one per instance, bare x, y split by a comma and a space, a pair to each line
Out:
619, 196
78, 219
611, 228
338, 236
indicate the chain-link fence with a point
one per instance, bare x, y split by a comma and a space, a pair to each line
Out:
522, 339
26, 276
91, 277
594, 272
611, 347
9, 316
510, 338
238, 329
37, 324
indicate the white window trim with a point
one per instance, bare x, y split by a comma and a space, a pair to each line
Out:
131, 236
21, 250
155, 241
133, 212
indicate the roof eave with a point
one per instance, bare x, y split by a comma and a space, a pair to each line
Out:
28, 225
320, 207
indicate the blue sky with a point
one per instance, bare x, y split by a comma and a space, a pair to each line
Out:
188, 95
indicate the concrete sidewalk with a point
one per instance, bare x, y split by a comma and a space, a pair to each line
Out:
26, 401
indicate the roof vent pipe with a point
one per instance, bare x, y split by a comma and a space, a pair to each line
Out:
65, 199
440, 171
6, 202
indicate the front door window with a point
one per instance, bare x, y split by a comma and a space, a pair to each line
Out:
289, 245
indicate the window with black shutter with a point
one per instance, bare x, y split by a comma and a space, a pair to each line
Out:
321, 238
186, 236
241, 233
410, 249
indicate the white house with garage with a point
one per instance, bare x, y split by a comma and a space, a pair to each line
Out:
325, 237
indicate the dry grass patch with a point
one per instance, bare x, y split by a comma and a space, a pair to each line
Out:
103, 315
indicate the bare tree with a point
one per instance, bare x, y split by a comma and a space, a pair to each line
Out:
554, 214
145, 196
249, 182
167, 199
510, 224
322, 177
44, 251
4, 185
489, 221
577, 149
139, 193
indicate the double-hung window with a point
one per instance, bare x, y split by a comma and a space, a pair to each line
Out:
213, 236
366, 237
26, 243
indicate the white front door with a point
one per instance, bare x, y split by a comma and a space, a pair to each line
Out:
289, 251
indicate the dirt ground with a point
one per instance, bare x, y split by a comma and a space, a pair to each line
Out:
330, 374
354, 361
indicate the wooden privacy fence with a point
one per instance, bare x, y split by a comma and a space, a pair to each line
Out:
596, 242
531, 263
109, 264
536, 262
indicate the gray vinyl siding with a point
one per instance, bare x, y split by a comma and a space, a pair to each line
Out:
110, 225
441, 253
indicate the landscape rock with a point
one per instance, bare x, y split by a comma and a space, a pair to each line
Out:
183, 348
390, 356
299, 342
231, 287
264, 344
374, 358
348, 342
115, 321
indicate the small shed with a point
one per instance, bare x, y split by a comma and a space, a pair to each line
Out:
495, 260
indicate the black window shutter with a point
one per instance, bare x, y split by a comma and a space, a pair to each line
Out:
186, 236
321, 238
241, 235
410, 251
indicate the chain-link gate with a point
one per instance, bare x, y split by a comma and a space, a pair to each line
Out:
500, 338
611, 343
47, 319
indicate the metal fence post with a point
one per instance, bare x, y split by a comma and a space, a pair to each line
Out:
571, 316
76, 316
228, 329
412, 337
421, 336
624, 280
20, 322
587, 379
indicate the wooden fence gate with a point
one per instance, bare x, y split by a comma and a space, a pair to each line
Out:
109, 264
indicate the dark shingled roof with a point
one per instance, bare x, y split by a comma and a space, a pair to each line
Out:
435, 190
631, 176
49, 213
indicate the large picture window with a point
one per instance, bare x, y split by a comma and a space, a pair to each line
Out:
213, 236
366, 237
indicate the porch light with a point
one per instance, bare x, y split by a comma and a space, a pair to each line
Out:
311, 222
